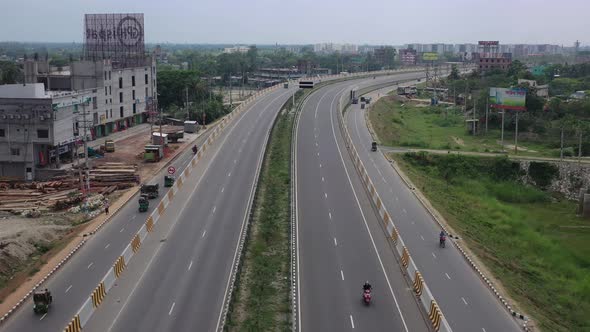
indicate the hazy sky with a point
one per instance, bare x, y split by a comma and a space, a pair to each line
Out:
310, 21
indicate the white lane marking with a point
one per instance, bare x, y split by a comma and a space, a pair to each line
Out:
229, 174
382, 178
342, 274
335, 242
433, 255
405, 211
422, 237
204, 232
322, 179
330, 215
448, 276
396, 198
320, 165
316, 144
68, 288
318, 154
235, 161
464, 300
89, 265
351, 321
484, 330
42, 317
364, 218
171, 308
223, 189
107, 246
134, 216
122, 229
325, 195
190, 265
214, 208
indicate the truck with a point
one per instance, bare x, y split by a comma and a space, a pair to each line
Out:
153, 153
109, 145
406, 90
173, 133
150, 190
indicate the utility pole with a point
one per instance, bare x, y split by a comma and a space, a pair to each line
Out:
516, 135
474, 117
85, 141
188, 114
502, 135
230, 93
487, 111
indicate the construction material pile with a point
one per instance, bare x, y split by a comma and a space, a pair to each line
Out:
29, 198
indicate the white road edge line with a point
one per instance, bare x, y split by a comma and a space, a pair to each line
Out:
246, 213
363, 214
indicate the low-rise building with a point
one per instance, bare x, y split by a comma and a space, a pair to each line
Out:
408, 56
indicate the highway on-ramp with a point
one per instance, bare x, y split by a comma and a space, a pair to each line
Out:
341, 243
465, 300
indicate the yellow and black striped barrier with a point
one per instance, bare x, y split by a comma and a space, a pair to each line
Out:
418, 283
394, 234
98, 295
149, 224
135, 243
435, 315
405, 257
75, 325
119, 266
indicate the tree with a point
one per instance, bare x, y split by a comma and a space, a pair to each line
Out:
581, 127
516, 68
564, 123
9, 73
454, 75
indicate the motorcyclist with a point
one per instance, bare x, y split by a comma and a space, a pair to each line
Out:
195, 149
442, 237
367, 286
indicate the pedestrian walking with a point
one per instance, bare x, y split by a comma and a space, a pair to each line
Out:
106, 207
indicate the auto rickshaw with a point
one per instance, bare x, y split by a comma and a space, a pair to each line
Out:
169, 180
41, 301
374, 146
144, 203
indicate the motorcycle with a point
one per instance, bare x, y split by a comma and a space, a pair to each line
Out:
442, 241
367, 296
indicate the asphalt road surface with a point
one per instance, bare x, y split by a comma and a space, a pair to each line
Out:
74, 282
341, 243
179, 278
465, 300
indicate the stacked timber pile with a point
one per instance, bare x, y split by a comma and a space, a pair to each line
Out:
63, 191
42, 196
111, 174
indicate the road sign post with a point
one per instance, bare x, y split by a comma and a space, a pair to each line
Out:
171, 170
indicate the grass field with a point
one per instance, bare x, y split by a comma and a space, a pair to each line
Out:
261, 300
440, 127
533, 242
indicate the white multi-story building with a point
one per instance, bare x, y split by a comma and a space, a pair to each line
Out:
41, 121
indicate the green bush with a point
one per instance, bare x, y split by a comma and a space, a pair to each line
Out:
511, 192
542, 173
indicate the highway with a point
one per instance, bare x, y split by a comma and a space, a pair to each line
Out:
179, 279
464, 299
73, 283
341, 243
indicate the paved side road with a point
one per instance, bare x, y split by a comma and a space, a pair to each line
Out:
464, 299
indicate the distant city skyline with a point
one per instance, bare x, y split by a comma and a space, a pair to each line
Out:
374, 22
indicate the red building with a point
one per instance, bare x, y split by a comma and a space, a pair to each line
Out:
408, 56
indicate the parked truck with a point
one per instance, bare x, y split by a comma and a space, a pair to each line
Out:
172, 133
109, 145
